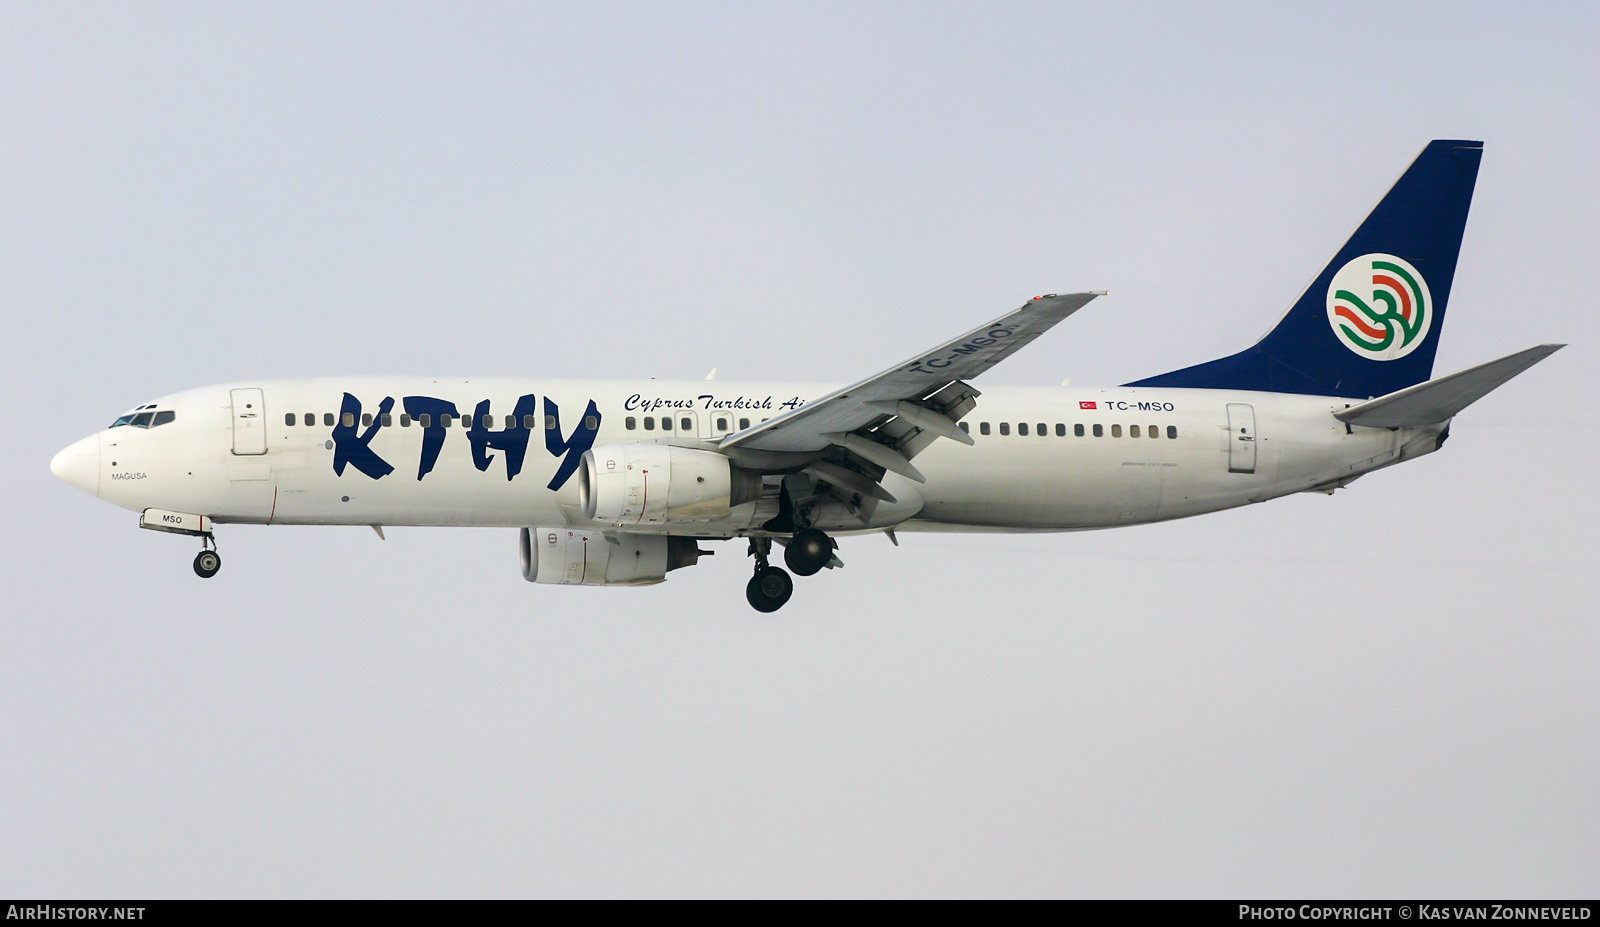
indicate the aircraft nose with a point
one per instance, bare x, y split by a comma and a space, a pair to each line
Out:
78, 465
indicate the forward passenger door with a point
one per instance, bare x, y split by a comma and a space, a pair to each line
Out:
249, 422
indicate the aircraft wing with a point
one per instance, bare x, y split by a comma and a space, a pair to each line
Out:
881, 422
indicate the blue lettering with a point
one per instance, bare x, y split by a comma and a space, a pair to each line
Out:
433, 434
513, 440
352, 449
573, 447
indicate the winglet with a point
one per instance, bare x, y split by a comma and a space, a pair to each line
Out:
1439, 400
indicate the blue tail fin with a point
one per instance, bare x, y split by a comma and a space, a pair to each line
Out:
1369, 323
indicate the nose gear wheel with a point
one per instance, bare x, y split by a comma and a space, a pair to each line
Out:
207, 563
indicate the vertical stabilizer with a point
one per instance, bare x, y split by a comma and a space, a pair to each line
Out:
1369, 324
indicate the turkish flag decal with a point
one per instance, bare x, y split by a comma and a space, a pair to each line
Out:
1086, 405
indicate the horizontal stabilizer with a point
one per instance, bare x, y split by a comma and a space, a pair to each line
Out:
1439, 400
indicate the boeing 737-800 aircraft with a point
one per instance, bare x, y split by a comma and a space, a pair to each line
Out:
617, 482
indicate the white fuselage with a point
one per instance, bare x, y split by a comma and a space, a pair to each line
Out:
1211, 450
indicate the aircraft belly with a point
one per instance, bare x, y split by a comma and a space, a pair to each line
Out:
1044, 488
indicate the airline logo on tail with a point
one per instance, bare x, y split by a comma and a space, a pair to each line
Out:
1379, 306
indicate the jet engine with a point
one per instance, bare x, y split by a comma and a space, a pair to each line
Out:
571, 556
653, 484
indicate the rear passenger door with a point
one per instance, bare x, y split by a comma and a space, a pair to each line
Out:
1241, 437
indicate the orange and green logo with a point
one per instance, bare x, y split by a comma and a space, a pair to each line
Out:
1379, 306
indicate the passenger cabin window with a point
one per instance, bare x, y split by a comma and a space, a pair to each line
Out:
1061, 430
528, 421
630, 423
649, 423
1172, 431
1099, 431
386, 419
983, 428
309, 419
425, 420
743, 424
289, 419
1022, 429
327, 419
1133, 431
1077, 431
591, 422
686, 424
722, 424
1153, 431
549, 423
366, 420
349, 419
1005, 428
405, 420
964, 427
1116, 431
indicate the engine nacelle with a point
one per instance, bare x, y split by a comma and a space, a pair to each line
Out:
653, 484
571, 556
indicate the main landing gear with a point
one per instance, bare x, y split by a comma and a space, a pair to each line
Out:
809, 550
208, 561
771, 586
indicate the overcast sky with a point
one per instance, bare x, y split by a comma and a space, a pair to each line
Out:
1390, 692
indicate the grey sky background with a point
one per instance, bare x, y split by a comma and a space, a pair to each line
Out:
1390, 692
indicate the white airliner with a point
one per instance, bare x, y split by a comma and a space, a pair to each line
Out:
617, 482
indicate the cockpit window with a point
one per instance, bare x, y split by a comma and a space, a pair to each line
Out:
140, 417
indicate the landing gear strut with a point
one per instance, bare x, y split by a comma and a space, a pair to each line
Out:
208, 561
808, 551
771, 586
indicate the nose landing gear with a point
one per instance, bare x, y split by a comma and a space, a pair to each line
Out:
208, 561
